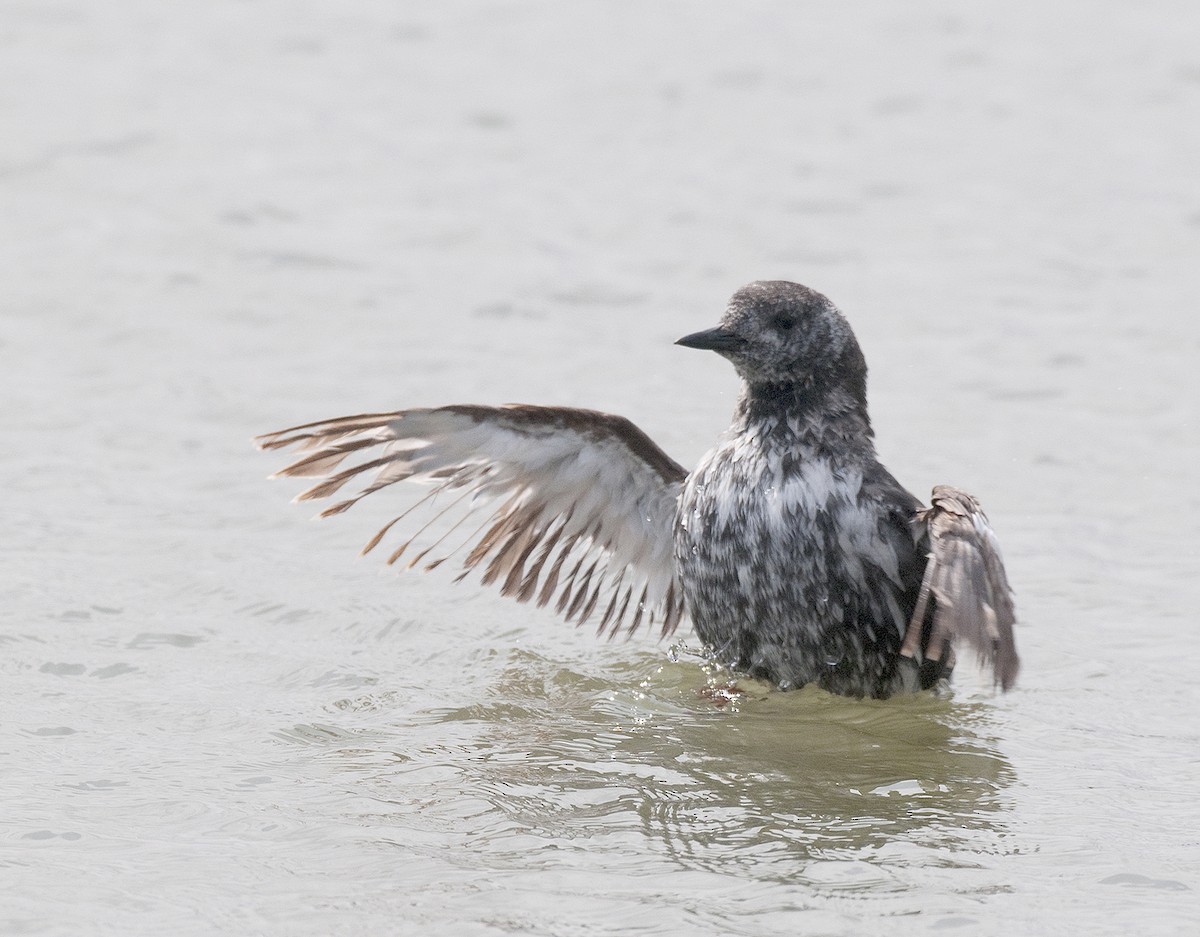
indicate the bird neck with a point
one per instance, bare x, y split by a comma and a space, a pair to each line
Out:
824, 419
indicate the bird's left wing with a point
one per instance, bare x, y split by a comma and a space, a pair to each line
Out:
965, 578
576, 505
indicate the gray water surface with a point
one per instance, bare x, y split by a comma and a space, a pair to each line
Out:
224, 218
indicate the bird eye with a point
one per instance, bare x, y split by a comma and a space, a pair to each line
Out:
784, 322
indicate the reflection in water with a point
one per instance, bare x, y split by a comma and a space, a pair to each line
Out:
815, 775
822, 791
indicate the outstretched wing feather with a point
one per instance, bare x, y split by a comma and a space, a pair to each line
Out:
561, 488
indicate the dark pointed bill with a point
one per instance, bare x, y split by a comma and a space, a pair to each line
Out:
717, 339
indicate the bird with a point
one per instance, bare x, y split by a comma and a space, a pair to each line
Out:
797, 557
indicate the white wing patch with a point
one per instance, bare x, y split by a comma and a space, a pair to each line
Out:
576, 504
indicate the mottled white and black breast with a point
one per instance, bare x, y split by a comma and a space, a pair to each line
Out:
795, 568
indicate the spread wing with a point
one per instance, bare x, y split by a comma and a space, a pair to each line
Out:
965, 576
572, 505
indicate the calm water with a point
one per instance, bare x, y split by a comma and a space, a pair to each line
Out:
223, 219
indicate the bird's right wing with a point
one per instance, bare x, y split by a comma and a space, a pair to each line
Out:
965, 577
576, 504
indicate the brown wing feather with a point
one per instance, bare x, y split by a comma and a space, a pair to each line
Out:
965, 578
563, 489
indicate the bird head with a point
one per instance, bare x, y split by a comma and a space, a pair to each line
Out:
780, 333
